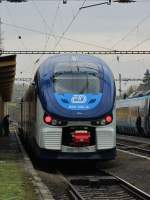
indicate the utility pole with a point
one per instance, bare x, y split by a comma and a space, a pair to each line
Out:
120, 89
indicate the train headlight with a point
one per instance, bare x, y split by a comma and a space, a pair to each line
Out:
103, 122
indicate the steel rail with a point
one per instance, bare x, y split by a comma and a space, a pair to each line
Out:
135, 148
138, 149
133, 154
134, 190
75, 195
127, 187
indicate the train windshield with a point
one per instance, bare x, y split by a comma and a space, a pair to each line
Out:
77, 83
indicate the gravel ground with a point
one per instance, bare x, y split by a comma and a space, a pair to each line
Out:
134, 139
133, 169
56, 185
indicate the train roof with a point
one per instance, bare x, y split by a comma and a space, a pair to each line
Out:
131, 101
72, 62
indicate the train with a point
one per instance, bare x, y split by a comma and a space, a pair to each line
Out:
68, 111
133, 116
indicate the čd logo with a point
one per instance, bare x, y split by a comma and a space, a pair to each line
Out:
79, 99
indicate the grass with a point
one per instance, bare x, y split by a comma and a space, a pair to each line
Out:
15, 184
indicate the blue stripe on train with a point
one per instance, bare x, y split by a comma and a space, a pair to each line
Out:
78, 101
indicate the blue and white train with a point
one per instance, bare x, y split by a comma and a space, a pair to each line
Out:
69, 110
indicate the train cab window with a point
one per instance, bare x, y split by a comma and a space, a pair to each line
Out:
77, 77
77, 83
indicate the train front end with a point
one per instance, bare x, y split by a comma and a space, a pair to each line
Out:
76, 104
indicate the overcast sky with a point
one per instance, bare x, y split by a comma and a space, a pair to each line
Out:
105, 27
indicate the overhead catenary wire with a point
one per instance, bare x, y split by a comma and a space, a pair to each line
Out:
97, 4
69, 25
140, 43
50, 29
13, 22
86, 43
53, 25
40, 14
58, 36
130, 31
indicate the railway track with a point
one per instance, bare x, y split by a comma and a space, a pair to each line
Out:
103, 186
86, 185
141, 149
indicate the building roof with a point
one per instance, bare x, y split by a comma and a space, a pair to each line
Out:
7, 76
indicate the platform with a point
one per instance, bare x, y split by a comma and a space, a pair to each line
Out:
18, 180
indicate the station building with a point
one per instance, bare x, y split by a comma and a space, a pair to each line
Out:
7, 78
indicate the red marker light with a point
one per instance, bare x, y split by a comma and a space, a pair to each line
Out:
48, 119
108, 118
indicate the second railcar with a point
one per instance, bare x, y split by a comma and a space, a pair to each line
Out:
69, 112
133, 116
